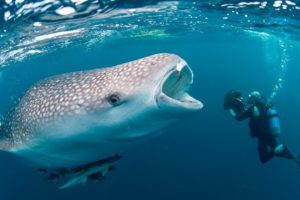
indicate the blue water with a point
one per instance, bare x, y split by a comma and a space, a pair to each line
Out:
207, 155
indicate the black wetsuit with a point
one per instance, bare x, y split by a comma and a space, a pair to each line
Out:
259, 129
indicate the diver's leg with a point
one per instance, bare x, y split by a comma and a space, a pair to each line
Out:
264, 154
281, 150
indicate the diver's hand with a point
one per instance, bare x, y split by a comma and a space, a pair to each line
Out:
231, 112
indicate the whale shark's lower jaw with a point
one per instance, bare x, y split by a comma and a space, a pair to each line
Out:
173, 91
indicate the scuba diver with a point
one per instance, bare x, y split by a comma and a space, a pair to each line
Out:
264, 124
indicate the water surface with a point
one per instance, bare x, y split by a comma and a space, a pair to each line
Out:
228, 44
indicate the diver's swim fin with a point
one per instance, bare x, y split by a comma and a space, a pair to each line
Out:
297, 159
283, 151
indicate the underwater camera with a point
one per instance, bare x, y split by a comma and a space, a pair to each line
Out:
234, 100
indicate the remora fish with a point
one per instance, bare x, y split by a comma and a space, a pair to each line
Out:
77, 118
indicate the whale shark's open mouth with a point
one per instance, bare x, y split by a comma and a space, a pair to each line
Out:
175, 86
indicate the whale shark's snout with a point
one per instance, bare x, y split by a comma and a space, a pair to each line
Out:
173, 89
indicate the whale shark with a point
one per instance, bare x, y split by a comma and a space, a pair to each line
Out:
70, 120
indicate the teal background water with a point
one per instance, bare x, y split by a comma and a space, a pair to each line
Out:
208, 155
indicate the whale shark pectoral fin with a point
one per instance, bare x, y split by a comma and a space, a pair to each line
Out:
76, 180
94, 171
105, 170
84, 175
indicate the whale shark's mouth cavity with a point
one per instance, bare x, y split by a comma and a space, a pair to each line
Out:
175, 87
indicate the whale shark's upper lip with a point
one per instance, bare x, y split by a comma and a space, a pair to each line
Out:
173, 90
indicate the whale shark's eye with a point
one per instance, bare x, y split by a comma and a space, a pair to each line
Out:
113, 99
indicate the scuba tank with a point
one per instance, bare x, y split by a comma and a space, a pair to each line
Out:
273, 121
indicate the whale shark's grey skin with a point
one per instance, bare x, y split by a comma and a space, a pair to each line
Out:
76, 118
